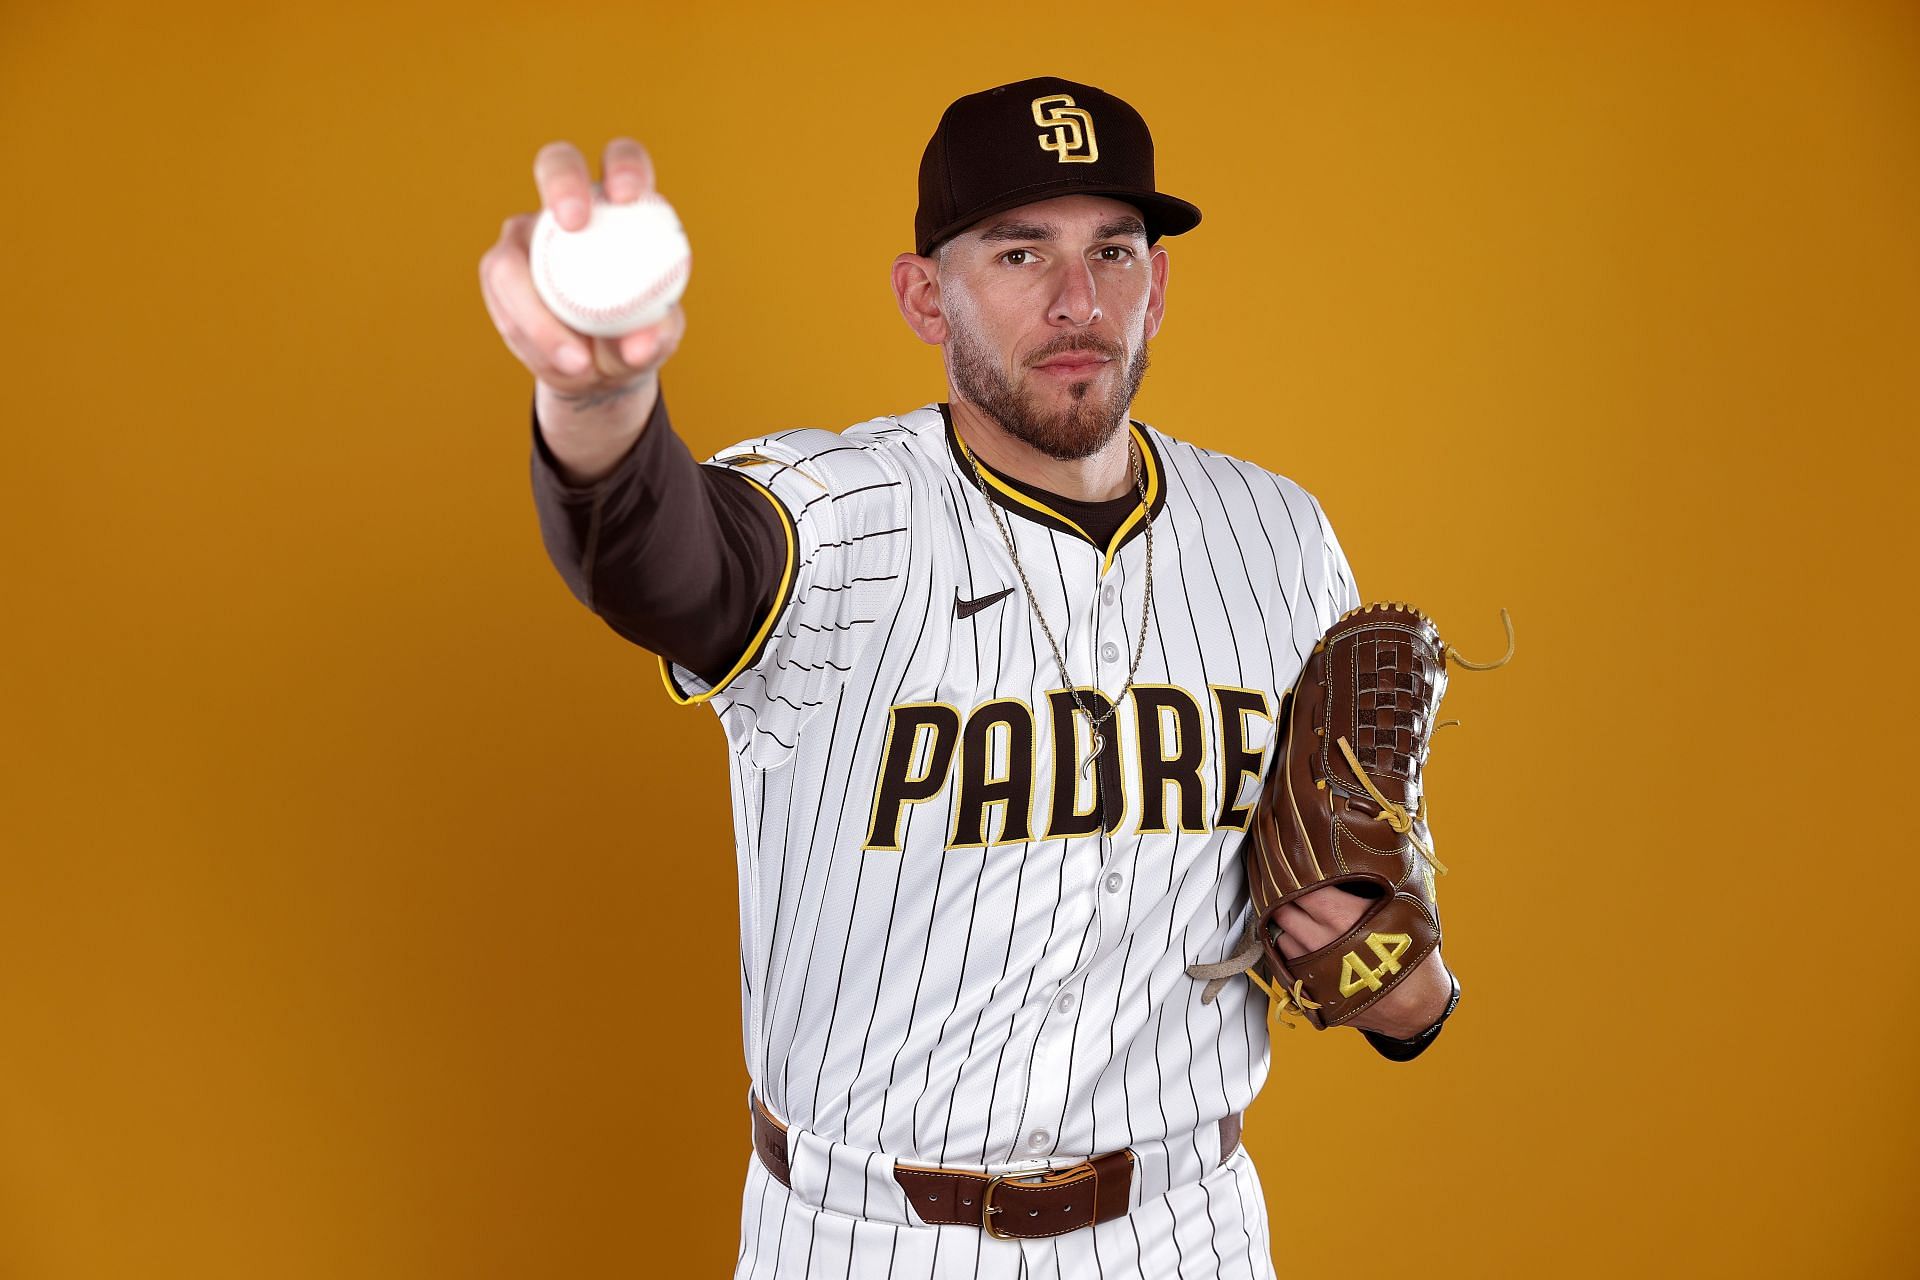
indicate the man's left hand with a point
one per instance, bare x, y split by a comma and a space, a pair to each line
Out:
1317, 917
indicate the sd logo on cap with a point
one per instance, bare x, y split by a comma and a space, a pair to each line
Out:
1033, 140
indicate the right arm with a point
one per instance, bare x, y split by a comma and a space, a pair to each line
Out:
682, 559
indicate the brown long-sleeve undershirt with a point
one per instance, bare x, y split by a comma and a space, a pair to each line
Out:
685, 559
676, 557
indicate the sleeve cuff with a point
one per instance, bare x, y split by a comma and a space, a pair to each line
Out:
781, 596
1407, 1050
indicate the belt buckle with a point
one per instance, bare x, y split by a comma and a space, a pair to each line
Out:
1032, 1178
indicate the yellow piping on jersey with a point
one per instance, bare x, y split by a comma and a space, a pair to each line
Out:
760, 636
1153, 492
1120, 534
1019, 497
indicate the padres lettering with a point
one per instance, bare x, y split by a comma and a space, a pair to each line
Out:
993, 750
1070, 137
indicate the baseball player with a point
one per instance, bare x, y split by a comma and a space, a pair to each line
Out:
997, 676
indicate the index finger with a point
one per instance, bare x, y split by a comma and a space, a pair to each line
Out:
560, 172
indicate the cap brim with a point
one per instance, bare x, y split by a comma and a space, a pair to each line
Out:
1164, 215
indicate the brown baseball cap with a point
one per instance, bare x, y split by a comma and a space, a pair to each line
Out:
1034, 140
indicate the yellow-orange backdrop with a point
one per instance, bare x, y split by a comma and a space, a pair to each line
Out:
365, 908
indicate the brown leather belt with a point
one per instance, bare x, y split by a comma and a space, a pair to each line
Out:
1010, 1206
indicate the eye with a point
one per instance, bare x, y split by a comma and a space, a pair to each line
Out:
1016, 257
1113, 253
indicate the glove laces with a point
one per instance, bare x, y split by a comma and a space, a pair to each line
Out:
1248, 954
1246, 959
1396, 815
1282, 1000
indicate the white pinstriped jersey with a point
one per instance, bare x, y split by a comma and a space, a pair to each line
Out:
962, 944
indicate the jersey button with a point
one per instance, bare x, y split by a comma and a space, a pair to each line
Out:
1114, 881
1106, 596
1110, 651
1065, 1003
1038, 1140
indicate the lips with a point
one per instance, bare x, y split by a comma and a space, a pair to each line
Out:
1078, 362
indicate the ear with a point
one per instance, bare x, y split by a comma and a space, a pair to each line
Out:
916, 287
1157, 291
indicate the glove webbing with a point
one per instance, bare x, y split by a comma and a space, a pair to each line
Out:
1396, 815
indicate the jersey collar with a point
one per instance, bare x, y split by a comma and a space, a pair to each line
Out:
1038, 509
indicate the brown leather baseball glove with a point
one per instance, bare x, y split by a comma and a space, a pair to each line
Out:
1343, 804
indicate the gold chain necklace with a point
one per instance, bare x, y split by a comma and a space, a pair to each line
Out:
1146, 599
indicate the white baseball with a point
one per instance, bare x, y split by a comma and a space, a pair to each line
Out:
623, 271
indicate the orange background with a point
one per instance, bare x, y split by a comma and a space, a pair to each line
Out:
365, 908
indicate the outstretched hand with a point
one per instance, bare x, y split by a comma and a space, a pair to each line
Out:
574, 365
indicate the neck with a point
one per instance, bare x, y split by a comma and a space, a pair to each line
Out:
1096, 478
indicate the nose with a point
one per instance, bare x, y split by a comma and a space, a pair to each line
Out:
1075, 301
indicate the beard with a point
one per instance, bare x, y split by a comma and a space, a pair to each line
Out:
1080, 428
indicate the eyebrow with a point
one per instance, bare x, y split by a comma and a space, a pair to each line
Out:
1043, 231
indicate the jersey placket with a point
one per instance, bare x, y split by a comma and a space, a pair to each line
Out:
1092, 640
1117, 608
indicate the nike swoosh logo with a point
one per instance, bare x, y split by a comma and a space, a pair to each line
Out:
967, 608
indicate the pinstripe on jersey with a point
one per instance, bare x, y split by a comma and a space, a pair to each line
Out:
961, 987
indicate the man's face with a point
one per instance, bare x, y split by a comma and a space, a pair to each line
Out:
1049, 308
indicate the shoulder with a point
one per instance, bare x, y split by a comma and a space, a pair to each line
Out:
1220, 481
874, 451
845, 497
1295, 526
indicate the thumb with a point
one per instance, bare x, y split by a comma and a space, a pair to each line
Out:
643, 350
610, 364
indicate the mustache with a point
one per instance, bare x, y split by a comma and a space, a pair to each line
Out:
1076, 342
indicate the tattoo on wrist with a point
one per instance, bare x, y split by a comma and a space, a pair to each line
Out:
600, 397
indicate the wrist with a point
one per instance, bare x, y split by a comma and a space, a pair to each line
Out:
1417, 1004
1407, 1048
588, 432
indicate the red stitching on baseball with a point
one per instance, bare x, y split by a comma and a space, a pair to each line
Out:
675, 274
